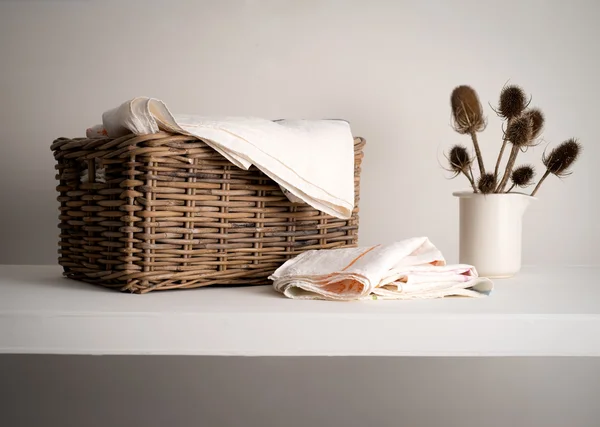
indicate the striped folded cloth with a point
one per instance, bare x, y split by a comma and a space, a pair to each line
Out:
409, 269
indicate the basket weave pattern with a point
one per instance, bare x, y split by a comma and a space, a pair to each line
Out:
173, 213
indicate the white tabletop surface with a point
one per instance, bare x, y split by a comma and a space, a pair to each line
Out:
543, 311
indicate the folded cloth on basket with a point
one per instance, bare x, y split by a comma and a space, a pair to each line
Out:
409, 269
311, 159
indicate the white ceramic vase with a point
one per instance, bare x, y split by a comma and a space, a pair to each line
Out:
490, 232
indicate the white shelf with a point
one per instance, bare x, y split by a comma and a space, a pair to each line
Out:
542, 312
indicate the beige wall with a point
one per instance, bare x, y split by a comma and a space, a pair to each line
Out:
387, 66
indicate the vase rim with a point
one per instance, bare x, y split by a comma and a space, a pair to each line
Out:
467, 194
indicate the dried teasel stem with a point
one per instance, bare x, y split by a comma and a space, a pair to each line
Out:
468, 118
472, 179
519, 133
536, 118
460, 162
478, 153
511, 104
504, 141
560, 160
496, 169
511, 163
522, 177
537, 187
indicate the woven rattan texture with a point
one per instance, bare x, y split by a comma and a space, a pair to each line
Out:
173, 213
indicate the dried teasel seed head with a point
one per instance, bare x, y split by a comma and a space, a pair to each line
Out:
520, 131
512, 102
459, 159
487, 183
537, 121
562, 157
523, 176
467, 112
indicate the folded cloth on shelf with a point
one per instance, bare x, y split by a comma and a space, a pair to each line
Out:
311, 159
409, 269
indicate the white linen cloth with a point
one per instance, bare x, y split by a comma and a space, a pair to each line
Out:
311, 159
409, 269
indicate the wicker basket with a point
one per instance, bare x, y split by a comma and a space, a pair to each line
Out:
174, 213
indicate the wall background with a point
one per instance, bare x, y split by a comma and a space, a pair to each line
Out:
387, 66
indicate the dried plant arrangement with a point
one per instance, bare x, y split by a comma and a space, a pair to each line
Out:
522, 129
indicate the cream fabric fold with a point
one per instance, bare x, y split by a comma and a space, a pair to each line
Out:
409, 269
311, 159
